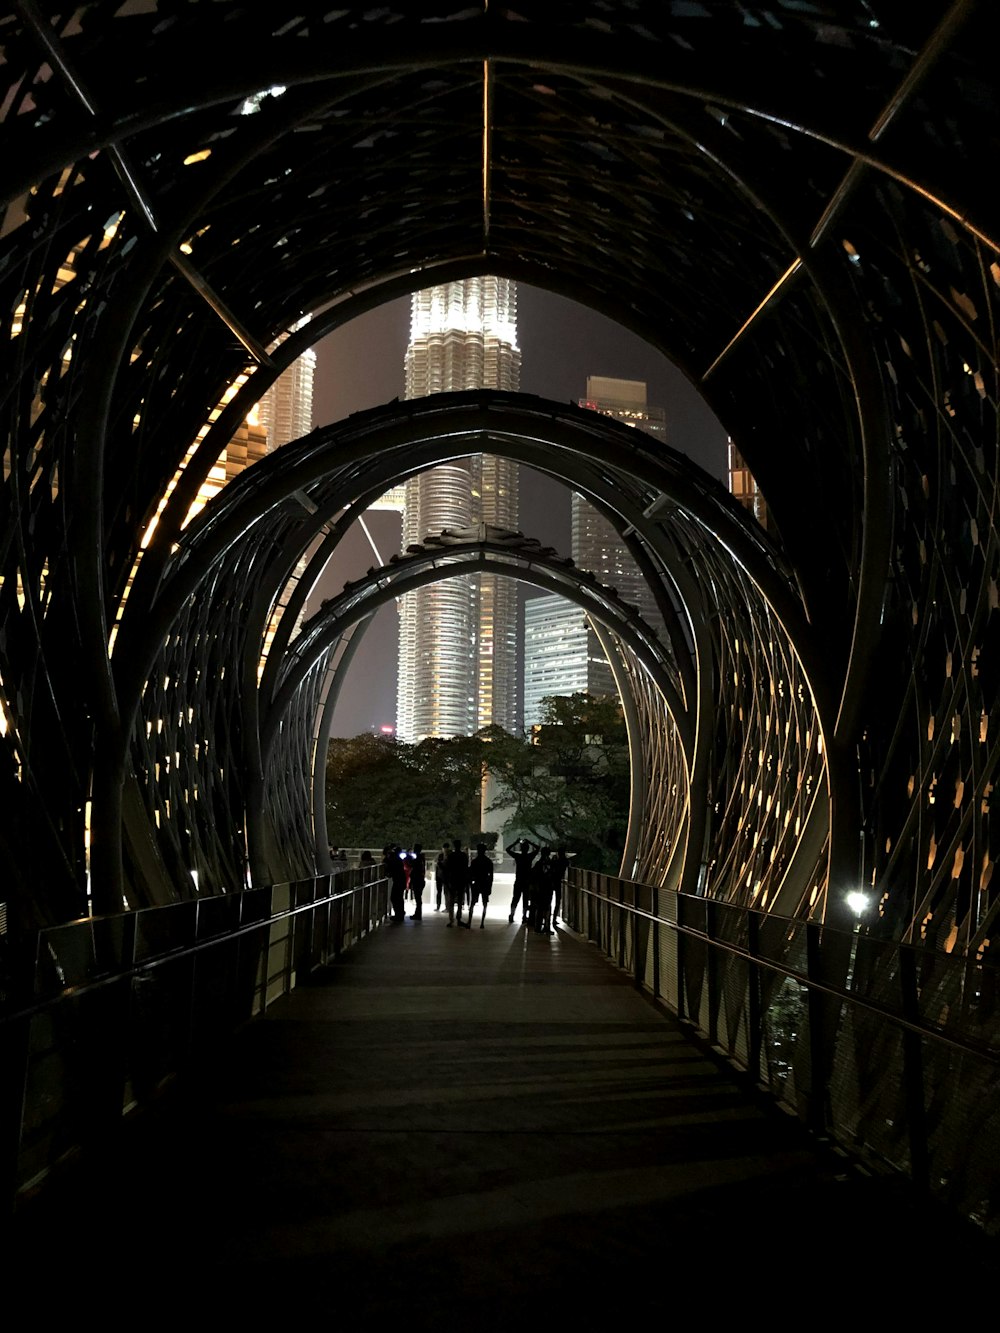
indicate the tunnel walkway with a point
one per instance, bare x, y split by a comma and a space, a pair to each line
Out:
470, 1124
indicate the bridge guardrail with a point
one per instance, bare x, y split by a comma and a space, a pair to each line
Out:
111, 1008
891, 1050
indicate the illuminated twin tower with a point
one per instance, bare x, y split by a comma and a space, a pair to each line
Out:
458, 638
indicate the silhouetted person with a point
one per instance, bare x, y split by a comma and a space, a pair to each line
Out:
367, 859
456, 880
560, 862
439, 878
418, 878
542, 887
523, 852
480, 882
392, 867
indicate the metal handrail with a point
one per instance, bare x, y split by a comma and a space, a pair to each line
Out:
119, 967
882, 1080
172, 955
987, 1053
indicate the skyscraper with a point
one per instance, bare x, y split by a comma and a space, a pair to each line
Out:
458, 639
596, 546
555, 653
743, 484
573, 659
286, 410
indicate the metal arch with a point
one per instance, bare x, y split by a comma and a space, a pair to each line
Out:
914, 268
660, 795
100, 683
721, 515
469, 422
463, 558
243, 508
625, 59
636, 643
405, 437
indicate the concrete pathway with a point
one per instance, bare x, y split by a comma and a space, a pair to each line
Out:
481, 1128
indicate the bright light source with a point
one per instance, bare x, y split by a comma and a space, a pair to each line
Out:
858, 903
252, 104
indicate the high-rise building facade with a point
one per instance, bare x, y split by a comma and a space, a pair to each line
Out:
743, 485
596, 546
458, 638
562, 653
286, 410
556, 656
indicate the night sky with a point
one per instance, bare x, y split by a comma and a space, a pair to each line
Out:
561, 343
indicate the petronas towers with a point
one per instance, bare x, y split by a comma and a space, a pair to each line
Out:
458, 638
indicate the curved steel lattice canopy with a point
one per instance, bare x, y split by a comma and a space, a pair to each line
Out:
791, 202
304, 497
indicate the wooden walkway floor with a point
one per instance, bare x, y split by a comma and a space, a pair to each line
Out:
485, 1127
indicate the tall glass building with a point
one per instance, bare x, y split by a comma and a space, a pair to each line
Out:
562, 654
595, 544
556, 658
458, 639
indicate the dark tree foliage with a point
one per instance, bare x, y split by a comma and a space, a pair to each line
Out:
571, 785
381, 790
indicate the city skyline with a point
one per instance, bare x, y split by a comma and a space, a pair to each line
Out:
360, 366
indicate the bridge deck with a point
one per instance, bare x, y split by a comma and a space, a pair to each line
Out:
487, 1124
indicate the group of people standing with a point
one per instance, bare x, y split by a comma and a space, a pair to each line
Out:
538, 879
405, 871
463, 881
458, 878
460, 881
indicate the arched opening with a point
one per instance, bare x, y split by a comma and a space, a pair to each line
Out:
791, 206
562, 343
715, 697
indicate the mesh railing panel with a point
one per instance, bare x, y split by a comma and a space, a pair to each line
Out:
890, 1050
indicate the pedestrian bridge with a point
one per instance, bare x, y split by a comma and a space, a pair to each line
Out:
448, 1123
793, 204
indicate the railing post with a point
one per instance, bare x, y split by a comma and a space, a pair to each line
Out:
621, 924
755, 1017
817, 1004
654, 926
913, 1069
712, 972
680, 944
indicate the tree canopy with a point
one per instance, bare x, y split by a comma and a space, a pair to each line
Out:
570, 783
382, 790
566, 783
